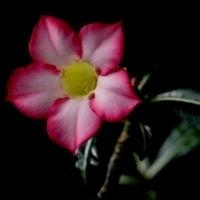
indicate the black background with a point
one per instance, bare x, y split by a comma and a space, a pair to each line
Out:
164, 35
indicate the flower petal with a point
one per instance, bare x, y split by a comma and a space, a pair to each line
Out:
102, 45
71, 122
54, 42
34, 88
114, 98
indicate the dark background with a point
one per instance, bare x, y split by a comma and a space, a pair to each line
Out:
164, 35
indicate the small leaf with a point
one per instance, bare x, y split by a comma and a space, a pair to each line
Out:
87, 157
93, 156
140, 137
129, 180
181, 95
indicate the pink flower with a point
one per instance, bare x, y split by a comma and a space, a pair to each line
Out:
74, 80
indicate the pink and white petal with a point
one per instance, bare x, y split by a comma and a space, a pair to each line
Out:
34, 88
54, 42
114, 98
71, 122
102, 45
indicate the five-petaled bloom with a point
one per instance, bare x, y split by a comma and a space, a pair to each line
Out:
74, 80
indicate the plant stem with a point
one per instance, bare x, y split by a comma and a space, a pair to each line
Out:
114, 167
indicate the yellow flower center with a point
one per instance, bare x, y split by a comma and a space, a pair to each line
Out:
79, 79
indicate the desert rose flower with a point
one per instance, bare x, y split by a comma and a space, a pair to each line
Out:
74, 80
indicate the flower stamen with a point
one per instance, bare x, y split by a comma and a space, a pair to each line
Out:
79, 79
91, 95
97, 72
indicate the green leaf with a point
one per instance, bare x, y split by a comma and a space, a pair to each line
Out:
192, 117
181, 95
185, 102
181, 141
129, 180
185, 136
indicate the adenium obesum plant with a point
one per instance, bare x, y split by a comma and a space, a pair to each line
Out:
74, 80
